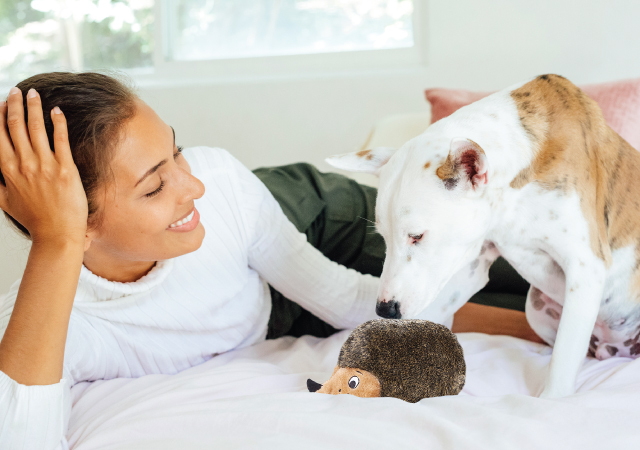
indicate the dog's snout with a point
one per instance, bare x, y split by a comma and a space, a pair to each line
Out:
388, 310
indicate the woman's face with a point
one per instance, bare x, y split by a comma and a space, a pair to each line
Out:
146, 206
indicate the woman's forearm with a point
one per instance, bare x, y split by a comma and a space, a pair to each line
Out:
32, 349
43, 192
473, 317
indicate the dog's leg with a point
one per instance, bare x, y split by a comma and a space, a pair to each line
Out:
583, 294
461, 287
543, 315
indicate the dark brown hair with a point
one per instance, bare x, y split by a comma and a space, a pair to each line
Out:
96, 107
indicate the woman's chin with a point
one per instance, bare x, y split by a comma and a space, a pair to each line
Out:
191, 241
173, 245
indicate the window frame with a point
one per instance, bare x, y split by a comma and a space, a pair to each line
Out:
165, 73
257, 68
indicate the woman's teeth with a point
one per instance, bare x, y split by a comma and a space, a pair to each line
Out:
183, 221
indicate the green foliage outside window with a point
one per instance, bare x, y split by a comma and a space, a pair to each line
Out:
44, 35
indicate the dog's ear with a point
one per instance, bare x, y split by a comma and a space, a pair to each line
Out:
368, 161
466, 166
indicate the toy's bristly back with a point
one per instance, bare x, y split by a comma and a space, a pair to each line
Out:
413, 359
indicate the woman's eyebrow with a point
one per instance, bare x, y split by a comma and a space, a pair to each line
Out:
157, 166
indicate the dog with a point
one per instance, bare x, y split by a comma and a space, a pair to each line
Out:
532, 173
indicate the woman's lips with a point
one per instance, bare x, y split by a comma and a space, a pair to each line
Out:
187, 223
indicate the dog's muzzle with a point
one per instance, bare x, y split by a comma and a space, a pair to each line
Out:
388, 310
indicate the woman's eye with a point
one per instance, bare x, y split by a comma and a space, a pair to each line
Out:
157, 191
415, 238
354, 382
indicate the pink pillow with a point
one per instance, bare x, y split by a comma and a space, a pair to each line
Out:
619, 101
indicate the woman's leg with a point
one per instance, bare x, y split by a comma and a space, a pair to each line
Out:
337, 214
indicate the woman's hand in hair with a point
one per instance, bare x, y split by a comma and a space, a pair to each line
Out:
44, 193
43, 190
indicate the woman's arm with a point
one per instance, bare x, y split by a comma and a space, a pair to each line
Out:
282, 256
44, 193
32, 349
341, 297
477, 318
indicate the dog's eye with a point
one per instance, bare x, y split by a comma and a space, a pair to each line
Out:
415, 238
354, 382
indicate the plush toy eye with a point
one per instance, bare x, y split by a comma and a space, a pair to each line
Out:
354, 382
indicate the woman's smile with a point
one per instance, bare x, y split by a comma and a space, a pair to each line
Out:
187, 223
133, 228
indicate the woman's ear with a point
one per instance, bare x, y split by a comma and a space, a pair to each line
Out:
88, 238
87, 243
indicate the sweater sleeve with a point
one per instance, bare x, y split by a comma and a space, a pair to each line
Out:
32, 416
281, 255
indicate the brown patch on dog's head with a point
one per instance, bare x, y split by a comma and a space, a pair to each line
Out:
427, 164
461, 164
365, 154
447, 170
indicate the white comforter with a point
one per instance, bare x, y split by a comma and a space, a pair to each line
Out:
256, 398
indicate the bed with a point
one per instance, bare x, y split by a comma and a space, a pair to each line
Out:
256, 397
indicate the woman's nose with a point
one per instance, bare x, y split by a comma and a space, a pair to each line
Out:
191, 188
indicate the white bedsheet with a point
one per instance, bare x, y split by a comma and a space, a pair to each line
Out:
256, 398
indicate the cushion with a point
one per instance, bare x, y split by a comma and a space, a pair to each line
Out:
395, 130
391, 131
619, 101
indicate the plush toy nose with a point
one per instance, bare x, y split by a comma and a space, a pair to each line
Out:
388, 310
312, 385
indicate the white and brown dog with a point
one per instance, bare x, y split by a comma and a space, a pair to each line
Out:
532, 173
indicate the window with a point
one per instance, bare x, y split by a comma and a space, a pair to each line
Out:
168, 39
214, 29
46, 35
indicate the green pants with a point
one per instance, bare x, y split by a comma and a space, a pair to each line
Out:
337, 214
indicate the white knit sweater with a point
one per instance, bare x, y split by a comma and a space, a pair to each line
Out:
189, 308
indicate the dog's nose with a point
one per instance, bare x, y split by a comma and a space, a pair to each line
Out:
388, 310
312, 385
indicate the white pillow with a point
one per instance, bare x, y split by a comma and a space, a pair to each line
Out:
392, 131
14, 250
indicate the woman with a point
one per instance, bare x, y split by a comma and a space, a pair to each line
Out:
121, 280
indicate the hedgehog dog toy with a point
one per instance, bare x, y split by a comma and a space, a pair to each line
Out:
406, 359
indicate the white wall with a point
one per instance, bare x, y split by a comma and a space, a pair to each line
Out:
473, 44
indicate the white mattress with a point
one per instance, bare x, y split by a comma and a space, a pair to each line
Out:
256, 398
